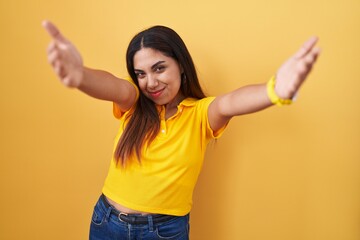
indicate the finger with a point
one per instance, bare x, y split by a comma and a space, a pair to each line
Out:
57, 67
53, 31
62, 73
316, 51
311, 57
59, 70
53, 56
306, 47
67, 81
51, 47
303, 68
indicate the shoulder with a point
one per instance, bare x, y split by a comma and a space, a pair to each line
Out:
119, 112
198, 103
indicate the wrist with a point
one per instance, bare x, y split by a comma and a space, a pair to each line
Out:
81, 77
273, 96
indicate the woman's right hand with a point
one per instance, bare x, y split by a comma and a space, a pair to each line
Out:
64, 57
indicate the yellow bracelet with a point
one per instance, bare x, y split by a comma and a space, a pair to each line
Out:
274, 98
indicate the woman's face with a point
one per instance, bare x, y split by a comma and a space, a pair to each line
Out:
159, 76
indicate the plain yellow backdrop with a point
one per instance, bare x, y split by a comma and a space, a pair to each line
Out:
284, 173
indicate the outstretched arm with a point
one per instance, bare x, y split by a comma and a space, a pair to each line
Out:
68, 66
289, 78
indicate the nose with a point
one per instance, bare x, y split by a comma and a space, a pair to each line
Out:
152, 82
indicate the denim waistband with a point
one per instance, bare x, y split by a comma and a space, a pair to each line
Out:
136, 218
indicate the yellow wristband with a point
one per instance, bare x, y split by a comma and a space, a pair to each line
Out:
274, 98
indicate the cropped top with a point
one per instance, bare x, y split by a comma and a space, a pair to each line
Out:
164, 181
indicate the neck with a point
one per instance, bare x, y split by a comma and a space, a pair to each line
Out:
175, 102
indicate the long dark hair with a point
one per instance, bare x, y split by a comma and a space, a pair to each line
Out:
144, 123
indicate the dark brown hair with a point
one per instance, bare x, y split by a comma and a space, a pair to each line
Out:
144, 123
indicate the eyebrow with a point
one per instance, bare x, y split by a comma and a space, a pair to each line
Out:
152, 67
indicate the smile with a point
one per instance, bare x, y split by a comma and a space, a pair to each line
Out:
156, 94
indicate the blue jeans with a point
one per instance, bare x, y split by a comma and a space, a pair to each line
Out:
107, 225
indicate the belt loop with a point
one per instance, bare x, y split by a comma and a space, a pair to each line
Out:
108, 212
151, 224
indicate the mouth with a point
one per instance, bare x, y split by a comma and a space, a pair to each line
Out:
156, 94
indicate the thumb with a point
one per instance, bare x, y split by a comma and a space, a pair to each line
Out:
53, 31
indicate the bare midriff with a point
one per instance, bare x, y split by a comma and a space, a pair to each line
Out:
124, 209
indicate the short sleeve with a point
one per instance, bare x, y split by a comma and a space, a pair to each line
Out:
117, 112
204, 107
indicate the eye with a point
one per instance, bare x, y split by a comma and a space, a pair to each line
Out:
140, 75
159, 69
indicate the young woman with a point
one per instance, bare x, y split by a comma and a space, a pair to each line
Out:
166, 123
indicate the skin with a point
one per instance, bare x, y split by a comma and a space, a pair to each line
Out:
159, 79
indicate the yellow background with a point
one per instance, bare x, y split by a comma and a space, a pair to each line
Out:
284, 173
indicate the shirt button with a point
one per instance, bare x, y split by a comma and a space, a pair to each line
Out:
163, 130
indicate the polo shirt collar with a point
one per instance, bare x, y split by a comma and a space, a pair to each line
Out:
188, 102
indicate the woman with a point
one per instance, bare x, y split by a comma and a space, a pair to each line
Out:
166, 123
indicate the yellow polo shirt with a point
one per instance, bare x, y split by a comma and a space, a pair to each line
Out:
164, 181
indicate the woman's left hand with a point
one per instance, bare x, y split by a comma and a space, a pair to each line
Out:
294, 71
